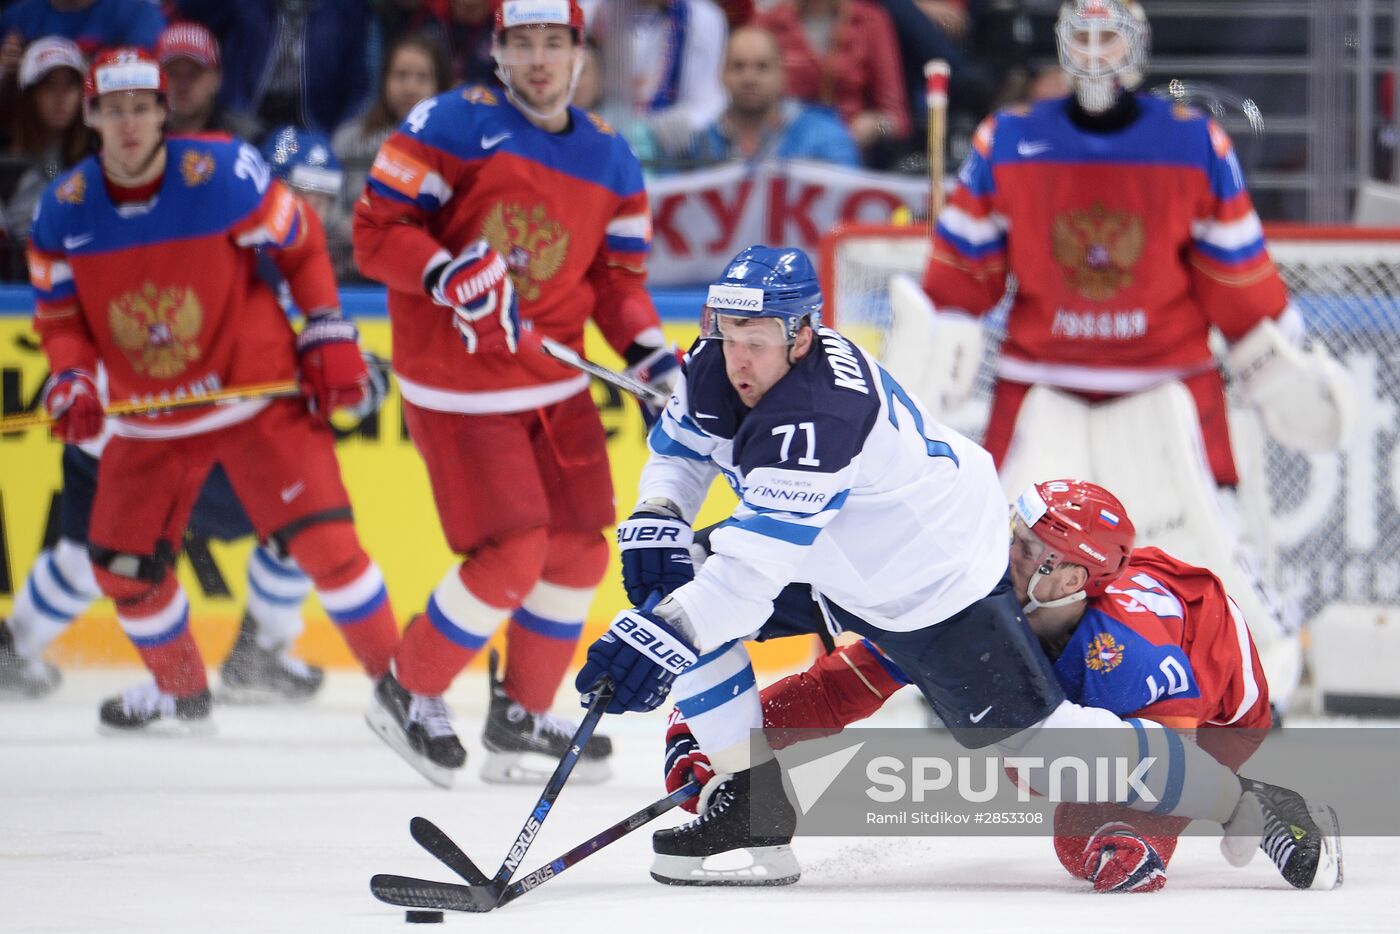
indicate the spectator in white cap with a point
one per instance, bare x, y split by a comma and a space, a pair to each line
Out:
47, 133
189, 55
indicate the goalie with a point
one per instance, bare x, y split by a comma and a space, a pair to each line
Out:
1125, 221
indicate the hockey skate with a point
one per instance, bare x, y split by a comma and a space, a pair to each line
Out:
1304, 842
23, 677
148, 711
743, 838
416, 726
254, 675
524, 747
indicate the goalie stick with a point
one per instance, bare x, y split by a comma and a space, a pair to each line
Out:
424, 893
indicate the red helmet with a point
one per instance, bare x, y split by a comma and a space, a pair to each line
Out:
124, 69
1083, 524
511, 13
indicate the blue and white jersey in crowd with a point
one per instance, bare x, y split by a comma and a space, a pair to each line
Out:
845, 482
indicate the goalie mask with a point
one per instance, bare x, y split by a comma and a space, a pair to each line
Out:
1074, 522
1103, 47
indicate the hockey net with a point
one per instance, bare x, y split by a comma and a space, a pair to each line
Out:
1334, 518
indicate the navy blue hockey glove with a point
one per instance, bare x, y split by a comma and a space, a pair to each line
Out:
655, 547
659, 368
641, 654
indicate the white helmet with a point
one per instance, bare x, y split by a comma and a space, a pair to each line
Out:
1103, 47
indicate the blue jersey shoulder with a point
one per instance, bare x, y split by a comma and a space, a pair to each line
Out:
210, 184
477, 122
1164, 133
1108, 664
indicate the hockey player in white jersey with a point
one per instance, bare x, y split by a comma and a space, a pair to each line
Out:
853, 499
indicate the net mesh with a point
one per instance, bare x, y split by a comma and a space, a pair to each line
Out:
1333, 519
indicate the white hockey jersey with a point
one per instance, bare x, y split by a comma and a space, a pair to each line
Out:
845, 483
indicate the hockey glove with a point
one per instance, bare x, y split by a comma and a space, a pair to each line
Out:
659, 368
685, 761
641, 654
333, 372
655, 547
74, 407
1117, 859
477, 287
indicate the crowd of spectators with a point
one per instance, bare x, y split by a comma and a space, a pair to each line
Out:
689, 82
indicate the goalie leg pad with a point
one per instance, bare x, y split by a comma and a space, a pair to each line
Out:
1050, 437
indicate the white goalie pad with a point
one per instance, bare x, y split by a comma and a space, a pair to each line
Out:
1050, 441
933, 354
1305, 399
1147, 449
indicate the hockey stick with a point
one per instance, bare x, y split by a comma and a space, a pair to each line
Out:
936, 100
424, 893
39, 417
569, 357
479, 898
432, 838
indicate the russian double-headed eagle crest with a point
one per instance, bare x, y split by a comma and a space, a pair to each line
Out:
1097, 249
197, 167
157, 329
1105, 654
533, 244
73, 189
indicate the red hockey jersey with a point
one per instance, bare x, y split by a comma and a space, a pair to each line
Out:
567, 211
165, 293
1164, 641
1126, 246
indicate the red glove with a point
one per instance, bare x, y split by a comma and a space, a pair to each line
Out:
333, 372
74, 407
477, 287
685, 761
1116, 849
1117, 859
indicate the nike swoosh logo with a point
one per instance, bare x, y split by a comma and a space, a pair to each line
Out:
977, 717
705, 415
72, 243
293, 491
491, 142
1025, 150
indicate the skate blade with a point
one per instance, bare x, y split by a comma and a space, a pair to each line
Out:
161, 729
533, 768
251, 696
386, 729
1329, 865
768, 865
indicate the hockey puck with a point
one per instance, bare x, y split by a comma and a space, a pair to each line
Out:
423, 917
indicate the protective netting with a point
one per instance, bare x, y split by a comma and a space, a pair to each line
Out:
1334, 519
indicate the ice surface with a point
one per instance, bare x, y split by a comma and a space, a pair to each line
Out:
276, 823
